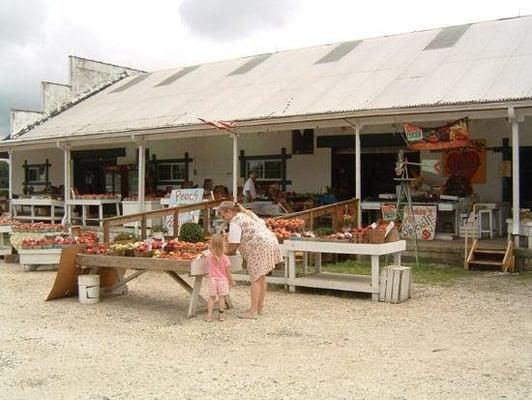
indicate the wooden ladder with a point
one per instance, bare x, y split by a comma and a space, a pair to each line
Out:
500, 258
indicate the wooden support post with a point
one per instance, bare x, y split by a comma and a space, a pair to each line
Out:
516, 191
10, 152
106, 233
176, 223
311, 221
143, 225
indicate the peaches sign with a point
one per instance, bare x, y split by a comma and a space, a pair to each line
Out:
468, 162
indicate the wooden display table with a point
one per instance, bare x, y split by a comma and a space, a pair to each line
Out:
335, 281
174, 268
85, 204
5, 246
30, 259
18, 206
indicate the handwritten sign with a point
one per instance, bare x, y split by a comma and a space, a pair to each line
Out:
389, 212
180, 197
422, 224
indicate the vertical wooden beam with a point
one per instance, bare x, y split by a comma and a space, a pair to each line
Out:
176, 222
358, 175
235, 167
141, 175
143, 226
67, 182
10, 152
106, 229
516, 190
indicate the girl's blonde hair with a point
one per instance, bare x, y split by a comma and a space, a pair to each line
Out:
217, 246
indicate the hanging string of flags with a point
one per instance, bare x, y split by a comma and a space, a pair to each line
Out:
455, 134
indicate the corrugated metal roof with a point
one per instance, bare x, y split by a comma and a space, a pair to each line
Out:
490, 62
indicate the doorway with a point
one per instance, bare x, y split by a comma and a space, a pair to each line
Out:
343, 175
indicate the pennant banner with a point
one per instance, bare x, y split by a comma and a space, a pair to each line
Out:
443, 137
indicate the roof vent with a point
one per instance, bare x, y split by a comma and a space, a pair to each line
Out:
339, 52
132, 82
250, 64
177, 75
447, 37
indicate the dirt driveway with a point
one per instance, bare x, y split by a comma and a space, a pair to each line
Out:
468, 341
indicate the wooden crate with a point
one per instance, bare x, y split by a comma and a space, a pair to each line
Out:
395, 286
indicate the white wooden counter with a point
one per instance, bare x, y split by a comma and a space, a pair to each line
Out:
31, 258
18, 206
86, 203
5, 246
335, 281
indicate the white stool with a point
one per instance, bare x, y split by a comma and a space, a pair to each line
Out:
489, 213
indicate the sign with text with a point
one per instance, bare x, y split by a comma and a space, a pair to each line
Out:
389, 212
423, 223
180, 197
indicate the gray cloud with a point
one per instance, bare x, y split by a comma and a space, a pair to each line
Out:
32, 50
20, 21
232, 19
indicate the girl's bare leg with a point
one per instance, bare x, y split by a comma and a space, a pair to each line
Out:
210, 308
221, 307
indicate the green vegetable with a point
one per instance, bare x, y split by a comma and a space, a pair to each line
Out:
191, 232
324, 231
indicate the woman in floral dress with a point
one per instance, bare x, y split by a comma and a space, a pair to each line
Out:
259, 249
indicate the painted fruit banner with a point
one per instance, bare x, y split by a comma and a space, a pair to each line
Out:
468, 162
455, 134
425, 220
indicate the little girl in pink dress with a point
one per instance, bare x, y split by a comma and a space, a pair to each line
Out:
219, 267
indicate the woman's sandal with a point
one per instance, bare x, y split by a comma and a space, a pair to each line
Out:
221, 315
208, 318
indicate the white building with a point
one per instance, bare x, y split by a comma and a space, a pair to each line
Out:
300, 114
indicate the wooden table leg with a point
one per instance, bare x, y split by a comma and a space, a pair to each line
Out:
84, 215
194, 297
375, 277
305, 263
397, 259
291, 270
317, 261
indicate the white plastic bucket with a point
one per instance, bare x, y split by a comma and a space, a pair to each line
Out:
89, 289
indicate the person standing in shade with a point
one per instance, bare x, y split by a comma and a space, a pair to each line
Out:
259, 249
250, 188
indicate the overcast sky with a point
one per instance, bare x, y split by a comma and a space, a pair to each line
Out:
36, 36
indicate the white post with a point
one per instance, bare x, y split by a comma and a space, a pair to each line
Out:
141, 176
358, 183
235, 167
10, 152
515, 174
67, 183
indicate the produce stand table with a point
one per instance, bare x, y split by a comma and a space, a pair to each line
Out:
132, 207
525, 229
336, 281
31, 258
18, 206
174, 268
5, 247
86, 203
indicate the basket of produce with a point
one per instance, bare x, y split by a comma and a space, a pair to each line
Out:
142, 249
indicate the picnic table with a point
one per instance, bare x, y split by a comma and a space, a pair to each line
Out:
196, 269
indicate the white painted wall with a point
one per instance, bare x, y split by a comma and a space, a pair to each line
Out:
21, 118
55, 158
53, 95
212, 157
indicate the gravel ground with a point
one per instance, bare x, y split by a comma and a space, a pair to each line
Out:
467, 341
